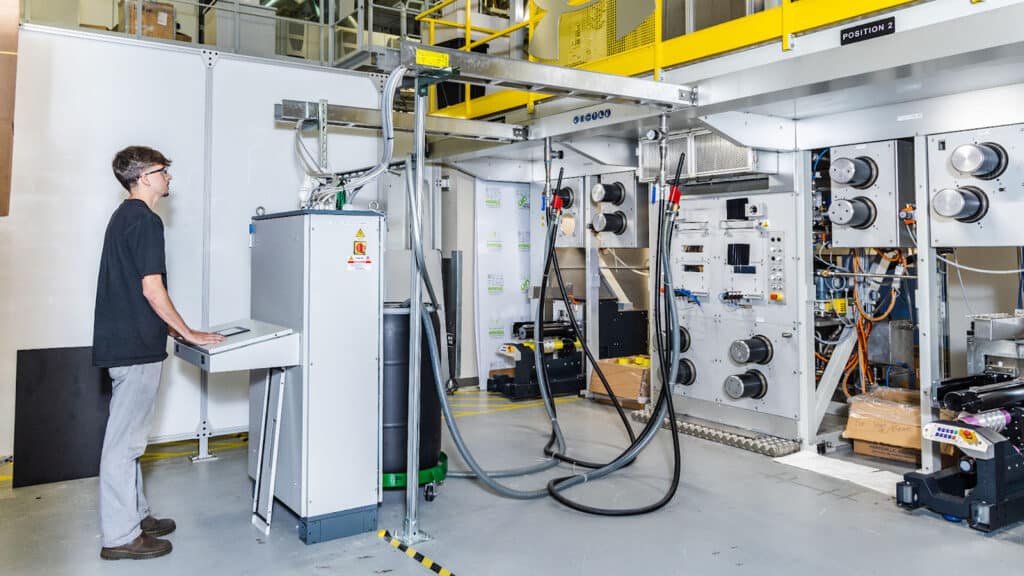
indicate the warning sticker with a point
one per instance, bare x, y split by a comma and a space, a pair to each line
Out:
357, 262
431, 59
360, 234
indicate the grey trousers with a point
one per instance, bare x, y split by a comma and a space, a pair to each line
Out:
122, 503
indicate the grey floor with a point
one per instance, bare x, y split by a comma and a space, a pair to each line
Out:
735, 513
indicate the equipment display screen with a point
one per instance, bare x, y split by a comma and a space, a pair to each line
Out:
234, 331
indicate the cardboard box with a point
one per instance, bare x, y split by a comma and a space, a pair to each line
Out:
626, 403
886, 423
886, 452
157, 19
629, 378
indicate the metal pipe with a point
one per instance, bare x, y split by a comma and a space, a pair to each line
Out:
410, 527
831, 273
663, 152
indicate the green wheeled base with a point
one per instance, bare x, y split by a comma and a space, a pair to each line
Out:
429, 478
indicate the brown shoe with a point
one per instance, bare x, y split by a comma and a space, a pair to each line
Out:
157, 527
142, 548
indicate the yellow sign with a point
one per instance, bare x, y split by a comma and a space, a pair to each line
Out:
432, 59
360, 234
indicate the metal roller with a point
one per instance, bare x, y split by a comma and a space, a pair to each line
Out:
613, 222
568, 196
985, 161
611, 193
859, 172
751, 384
687, 373
856, 213
967, 204
756, 350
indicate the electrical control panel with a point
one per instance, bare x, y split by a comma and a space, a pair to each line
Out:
976, 187
618, 210
871, 183
734, 264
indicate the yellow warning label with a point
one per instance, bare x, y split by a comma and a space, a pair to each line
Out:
432, 59
360, 234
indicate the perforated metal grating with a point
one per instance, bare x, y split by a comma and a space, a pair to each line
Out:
759, 443
650, 158
714, 154
590, 34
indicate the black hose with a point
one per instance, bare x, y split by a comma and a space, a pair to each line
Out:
551, 258
555, 485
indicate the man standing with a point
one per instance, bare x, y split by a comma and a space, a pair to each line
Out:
133, 317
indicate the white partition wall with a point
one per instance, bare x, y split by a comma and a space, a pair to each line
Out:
502, 268
82, 97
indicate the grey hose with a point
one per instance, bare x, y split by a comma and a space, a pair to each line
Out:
538, 352
453, 429
477, 471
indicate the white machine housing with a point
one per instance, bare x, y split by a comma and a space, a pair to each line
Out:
1003, 195
634, 207
765, 307
319, 273
890, 188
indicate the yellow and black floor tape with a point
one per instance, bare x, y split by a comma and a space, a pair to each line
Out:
412, 553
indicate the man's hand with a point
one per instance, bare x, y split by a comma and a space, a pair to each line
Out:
202, 338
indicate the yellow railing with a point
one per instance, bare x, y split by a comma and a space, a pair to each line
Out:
772, 25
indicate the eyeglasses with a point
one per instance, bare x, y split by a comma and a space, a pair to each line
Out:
164, 170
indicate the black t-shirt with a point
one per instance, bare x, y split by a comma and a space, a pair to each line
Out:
126, 330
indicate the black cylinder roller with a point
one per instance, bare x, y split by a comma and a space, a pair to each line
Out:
568, 196
756, 350
612, 193
687, 373
684, 340
857, 172
856, 212
967, 204
751, 384
986, 161
614, 223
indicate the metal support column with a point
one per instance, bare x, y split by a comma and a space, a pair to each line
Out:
332, 31
410, 527
930, 307
321, 135
205, 428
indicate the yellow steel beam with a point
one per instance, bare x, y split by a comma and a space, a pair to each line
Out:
501, 33
740, 33
776, 24
422, 15
806, 15
451, 24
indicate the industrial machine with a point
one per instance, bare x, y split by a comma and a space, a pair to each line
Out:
871, 183
619, 215
318, 272
735, 264
986, 486
563, 362
973, 186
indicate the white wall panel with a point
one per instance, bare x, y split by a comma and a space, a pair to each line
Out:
80, 99
255, 165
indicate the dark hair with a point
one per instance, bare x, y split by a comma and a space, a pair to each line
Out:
132, 161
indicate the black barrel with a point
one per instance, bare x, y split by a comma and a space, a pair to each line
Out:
396, 395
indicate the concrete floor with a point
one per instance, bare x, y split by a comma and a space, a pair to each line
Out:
735, 513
